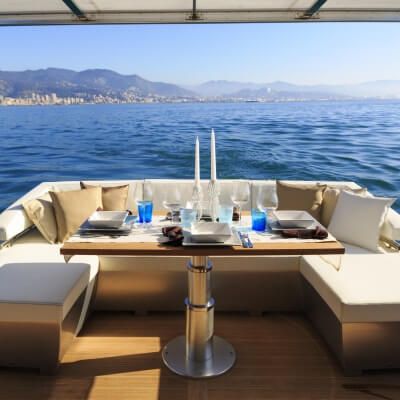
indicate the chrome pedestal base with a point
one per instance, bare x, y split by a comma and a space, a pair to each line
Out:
199, 354
223, 358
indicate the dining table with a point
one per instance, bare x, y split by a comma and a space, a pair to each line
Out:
198, 353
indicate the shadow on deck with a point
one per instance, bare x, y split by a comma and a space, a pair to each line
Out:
118, 356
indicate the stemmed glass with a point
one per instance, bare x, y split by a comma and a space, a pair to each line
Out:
172, 202
240, 195
147, 191
267, 199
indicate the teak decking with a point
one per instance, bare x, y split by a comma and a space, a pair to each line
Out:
117, 356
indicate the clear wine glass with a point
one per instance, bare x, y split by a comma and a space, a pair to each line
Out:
172, 202
240, 195
267, 199
147, 191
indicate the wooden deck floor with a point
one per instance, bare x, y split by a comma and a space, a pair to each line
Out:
117, 356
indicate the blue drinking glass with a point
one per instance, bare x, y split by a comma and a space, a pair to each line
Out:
258, 220
145, 211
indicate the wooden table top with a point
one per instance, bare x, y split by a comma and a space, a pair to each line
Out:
158, 249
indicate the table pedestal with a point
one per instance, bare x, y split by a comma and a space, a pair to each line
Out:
199, 354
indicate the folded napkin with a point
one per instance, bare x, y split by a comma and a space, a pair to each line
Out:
174, 235
317, 233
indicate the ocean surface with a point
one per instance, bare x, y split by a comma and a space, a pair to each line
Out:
357, 141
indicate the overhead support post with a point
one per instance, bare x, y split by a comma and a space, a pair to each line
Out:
313, 10
76, 10
194, 16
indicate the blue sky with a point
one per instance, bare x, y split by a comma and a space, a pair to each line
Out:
300, 53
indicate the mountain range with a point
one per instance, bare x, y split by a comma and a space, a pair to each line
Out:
95, 82
66, 83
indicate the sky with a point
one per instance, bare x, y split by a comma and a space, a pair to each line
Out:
302, 53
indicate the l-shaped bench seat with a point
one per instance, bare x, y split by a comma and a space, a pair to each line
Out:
331, 292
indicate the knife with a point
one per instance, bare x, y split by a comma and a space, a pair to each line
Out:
242, 239
248, 241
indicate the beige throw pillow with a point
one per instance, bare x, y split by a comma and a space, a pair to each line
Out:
304, 197
72, 208
41, 212
329, 201
114, 197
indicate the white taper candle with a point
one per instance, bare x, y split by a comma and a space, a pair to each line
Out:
197, 162
213, 157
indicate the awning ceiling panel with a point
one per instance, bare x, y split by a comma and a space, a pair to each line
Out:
27, 6
43, 12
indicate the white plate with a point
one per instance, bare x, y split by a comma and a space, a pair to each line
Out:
294, 219
107, 219
276, 227
233, 240
210, 232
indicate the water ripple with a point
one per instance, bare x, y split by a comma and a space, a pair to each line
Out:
331, 140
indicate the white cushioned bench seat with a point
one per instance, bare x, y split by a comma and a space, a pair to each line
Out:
43, 301
366, 288
32, 248
40, 291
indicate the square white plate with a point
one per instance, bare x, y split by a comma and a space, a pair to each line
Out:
233, 240
107, 219
210, 232
294, 219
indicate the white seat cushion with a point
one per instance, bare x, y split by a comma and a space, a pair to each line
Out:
366, 288
353, 249
40, 291
32, 249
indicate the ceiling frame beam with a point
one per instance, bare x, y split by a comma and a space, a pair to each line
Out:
206, 16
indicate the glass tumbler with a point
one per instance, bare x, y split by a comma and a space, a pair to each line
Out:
225, 213
188, 216
258, 220
145, 211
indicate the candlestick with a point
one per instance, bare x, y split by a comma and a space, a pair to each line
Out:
213, 157
197, 163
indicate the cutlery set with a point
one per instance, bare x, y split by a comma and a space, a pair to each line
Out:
245, 239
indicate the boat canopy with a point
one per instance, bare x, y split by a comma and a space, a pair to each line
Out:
48, 12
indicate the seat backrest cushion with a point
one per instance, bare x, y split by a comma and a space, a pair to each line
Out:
14, 220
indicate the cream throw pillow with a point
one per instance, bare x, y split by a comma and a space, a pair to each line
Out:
358, 219
41, 212
114, 197
72, 208
302, 197
329, 201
